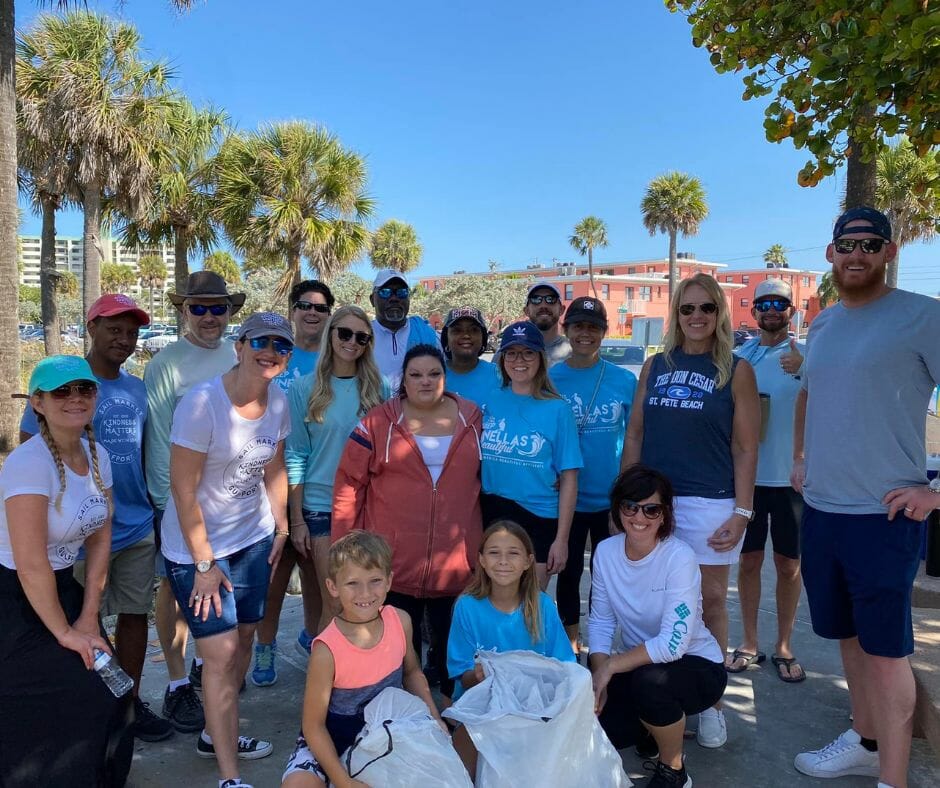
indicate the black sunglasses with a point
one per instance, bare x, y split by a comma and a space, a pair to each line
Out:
777, 304
708, 308
306, 306
363, 338
200, 309
650, 510
400, 292
548, 299
84, 389
869, 245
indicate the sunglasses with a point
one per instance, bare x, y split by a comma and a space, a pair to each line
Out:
515, 355
217, 310
363, 338
548, 299
84, 389
650, 510
869, 245
306, 306
399, 292
281, 346
707, 308
777, 304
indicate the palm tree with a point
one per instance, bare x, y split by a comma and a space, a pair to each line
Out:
589, 234
258, 263
224, 265
117, 278
290, 190
674, 203
827, 292
776, 257
395, 245
152, 273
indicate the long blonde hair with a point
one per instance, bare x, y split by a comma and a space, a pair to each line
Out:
722, 356
367, 373
542, 386
46, 434
481, 586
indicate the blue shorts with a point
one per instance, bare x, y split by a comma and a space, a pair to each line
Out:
250, 574
859, 570
318, 523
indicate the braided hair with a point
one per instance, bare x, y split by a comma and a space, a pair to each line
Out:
60, 466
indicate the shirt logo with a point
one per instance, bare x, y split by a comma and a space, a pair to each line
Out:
683, 611
243, 475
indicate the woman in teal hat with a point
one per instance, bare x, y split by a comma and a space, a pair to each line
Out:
59, 724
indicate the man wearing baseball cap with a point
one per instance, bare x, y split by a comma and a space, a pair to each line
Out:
776, 359
859, 449
543, 306
119, 421
464, 339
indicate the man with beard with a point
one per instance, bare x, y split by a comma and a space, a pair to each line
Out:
872, 362
464, 339
311, 302
544, 307
776, 360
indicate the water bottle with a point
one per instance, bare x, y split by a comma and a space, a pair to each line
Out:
111, 674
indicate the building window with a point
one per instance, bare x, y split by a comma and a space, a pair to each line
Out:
805, 303
651, 269
605, 292
804, 280
729, 278
659, 292
569, 292
646, 293
743, 302
631, 270
628, 291
745, 279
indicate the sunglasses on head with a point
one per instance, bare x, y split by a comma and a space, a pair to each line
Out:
548, 299
84, 389
363, 338
399, 292
306, 306
217, 310
281, 346
708, 308
777, 304
869, 245
650, 510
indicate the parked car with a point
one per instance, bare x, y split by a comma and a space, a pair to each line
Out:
742, 335
155, 343
624, 353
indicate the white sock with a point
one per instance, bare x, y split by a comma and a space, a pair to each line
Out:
884, 785
198, 662
206, 737
175, 685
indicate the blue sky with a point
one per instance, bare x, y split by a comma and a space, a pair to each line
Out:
494, 127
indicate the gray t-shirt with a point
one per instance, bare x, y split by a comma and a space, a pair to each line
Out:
557, 350
869, 374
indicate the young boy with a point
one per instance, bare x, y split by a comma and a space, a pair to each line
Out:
366, 648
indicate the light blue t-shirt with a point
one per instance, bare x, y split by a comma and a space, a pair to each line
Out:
601, 419
476, 384
775, 454
526, 444
478, 626
302, 362
120, 416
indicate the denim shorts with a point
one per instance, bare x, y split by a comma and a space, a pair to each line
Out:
318, 523
249, 572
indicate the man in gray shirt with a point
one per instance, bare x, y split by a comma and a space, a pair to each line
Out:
543, 307
872, 361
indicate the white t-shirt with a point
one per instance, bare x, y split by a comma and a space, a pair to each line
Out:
30, 470
231, 492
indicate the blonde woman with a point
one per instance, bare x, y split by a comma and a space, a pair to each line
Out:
696, 419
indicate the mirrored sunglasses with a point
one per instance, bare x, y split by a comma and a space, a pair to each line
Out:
281, 346
399, 292
217, 310
548, 299
869, 245
777, 304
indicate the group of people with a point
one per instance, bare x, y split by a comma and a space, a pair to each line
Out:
427, 494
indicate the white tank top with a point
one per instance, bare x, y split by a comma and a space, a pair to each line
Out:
434, 450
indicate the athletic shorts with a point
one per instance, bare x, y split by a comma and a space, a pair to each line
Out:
858, 570
130, 579
302, 760
249, 572
541, 530
783, 508
697, 519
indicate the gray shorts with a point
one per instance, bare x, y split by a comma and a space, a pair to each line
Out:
130, 579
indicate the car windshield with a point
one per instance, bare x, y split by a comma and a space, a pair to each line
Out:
622, 354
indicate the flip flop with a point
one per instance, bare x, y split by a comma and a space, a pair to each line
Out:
749, 659
788, 662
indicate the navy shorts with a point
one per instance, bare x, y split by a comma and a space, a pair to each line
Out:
318, 523
780, 508
250, 574
541, 530
859, 570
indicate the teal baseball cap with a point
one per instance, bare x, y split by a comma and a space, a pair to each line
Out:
55, 371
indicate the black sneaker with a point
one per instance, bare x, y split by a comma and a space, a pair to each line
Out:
248, 749
646, 747
183, 709
666, 777
195, 675
147, 725
235, 783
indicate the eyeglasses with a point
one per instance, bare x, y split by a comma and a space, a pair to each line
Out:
650, 510
306, 306
399, 292
281, 346
516, 355
708, 308
217, 310
777, 304
869, 245
548, 299
84, 390
363, 338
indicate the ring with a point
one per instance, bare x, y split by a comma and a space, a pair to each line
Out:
908, 509
196, 597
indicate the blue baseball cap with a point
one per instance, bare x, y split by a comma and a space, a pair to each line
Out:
877, 221
522, 333
55, 371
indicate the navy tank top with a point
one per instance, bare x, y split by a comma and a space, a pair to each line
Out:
687, 423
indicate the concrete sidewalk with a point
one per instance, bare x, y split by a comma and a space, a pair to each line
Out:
769, 721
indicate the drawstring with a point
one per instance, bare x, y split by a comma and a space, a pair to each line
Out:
388, 440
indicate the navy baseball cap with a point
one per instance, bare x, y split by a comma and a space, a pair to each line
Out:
460, 313
522, 333
877, 221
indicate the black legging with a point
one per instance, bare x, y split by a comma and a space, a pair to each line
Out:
568, 591
440, 609
659, 694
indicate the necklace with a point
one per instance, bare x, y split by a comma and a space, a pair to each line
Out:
341, 617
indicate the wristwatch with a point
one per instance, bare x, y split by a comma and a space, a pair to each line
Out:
747, 514
934, 485
204, 566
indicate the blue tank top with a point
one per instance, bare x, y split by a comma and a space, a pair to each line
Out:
687, 423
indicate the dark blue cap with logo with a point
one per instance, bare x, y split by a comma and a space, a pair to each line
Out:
522, 333
877, 221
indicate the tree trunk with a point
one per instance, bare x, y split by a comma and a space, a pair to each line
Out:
10, 409
150, 312
91, 250
591, 270
860, 177
293, 265
673, 265
48, 277
180, 268
891, 276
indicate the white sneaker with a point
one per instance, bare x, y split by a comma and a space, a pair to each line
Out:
843, 756
712, 729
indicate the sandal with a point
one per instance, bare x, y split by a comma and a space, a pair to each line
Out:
788, 663
749, 659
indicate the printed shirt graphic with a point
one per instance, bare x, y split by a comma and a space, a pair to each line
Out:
231, 491
302, 362
526, 444
31, 470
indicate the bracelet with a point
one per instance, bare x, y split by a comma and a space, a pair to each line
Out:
282, 533
298, 525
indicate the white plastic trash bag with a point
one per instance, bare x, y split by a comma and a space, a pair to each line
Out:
532, 721
402, 746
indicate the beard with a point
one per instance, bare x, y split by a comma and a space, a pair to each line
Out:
544, 321
869, 281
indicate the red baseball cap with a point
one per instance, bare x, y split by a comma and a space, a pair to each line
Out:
111, 304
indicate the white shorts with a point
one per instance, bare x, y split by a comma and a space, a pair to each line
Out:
697, 519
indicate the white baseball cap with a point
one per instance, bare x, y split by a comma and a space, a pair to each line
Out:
386, 275
544, 283
773, 287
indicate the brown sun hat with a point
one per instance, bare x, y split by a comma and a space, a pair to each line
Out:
207, 284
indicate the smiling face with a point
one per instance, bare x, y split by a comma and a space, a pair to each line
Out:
348, 350
266, 363
360, 592
68, 414
424, 380
772, 321
641, 531
114, 338
698, 326
465, 339
309, 323
520, 364
504, 559
585, 338
391, 311
858, 274
206, 330
544, 315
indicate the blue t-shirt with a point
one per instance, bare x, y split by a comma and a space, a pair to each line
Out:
526, 444
476, 384
478, 626
302, 362
120, 416
601, 419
